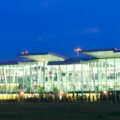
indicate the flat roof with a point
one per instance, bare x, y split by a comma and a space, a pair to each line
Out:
103, 53
43, 56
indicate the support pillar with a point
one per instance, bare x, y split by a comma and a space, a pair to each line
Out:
5, 80
43, 76
115, 79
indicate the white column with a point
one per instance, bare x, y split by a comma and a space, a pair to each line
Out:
61, 78
44, 76
23, 77
37, 76
66, 79
82, 77
31, 80
115, 78
5, 80
93, 77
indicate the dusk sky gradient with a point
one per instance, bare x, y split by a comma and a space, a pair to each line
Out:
57, 26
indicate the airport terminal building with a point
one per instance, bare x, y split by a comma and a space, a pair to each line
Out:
92, 71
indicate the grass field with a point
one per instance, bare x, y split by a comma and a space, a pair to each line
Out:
60, 111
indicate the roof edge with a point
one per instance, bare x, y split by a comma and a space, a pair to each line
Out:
41, 53
97, 50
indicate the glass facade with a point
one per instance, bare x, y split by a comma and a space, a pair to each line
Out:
86, 76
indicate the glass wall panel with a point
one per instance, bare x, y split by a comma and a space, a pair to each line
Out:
117, 73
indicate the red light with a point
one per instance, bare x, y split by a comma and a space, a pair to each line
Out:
26, 52
50, 74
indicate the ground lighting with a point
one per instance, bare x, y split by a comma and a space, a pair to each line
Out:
105, 92
22, 93
61, 92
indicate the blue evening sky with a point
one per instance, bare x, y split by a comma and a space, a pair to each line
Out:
57, 26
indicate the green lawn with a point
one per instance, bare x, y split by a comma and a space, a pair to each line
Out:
60, 111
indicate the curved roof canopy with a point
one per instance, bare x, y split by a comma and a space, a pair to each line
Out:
103, 53
75, 60
43, 56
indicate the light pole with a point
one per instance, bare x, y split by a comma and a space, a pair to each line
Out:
78, 50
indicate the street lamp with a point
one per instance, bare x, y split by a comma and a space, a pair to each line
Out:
78, 50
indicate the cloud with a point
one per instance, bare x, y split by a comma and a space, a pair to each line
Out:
90, 31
